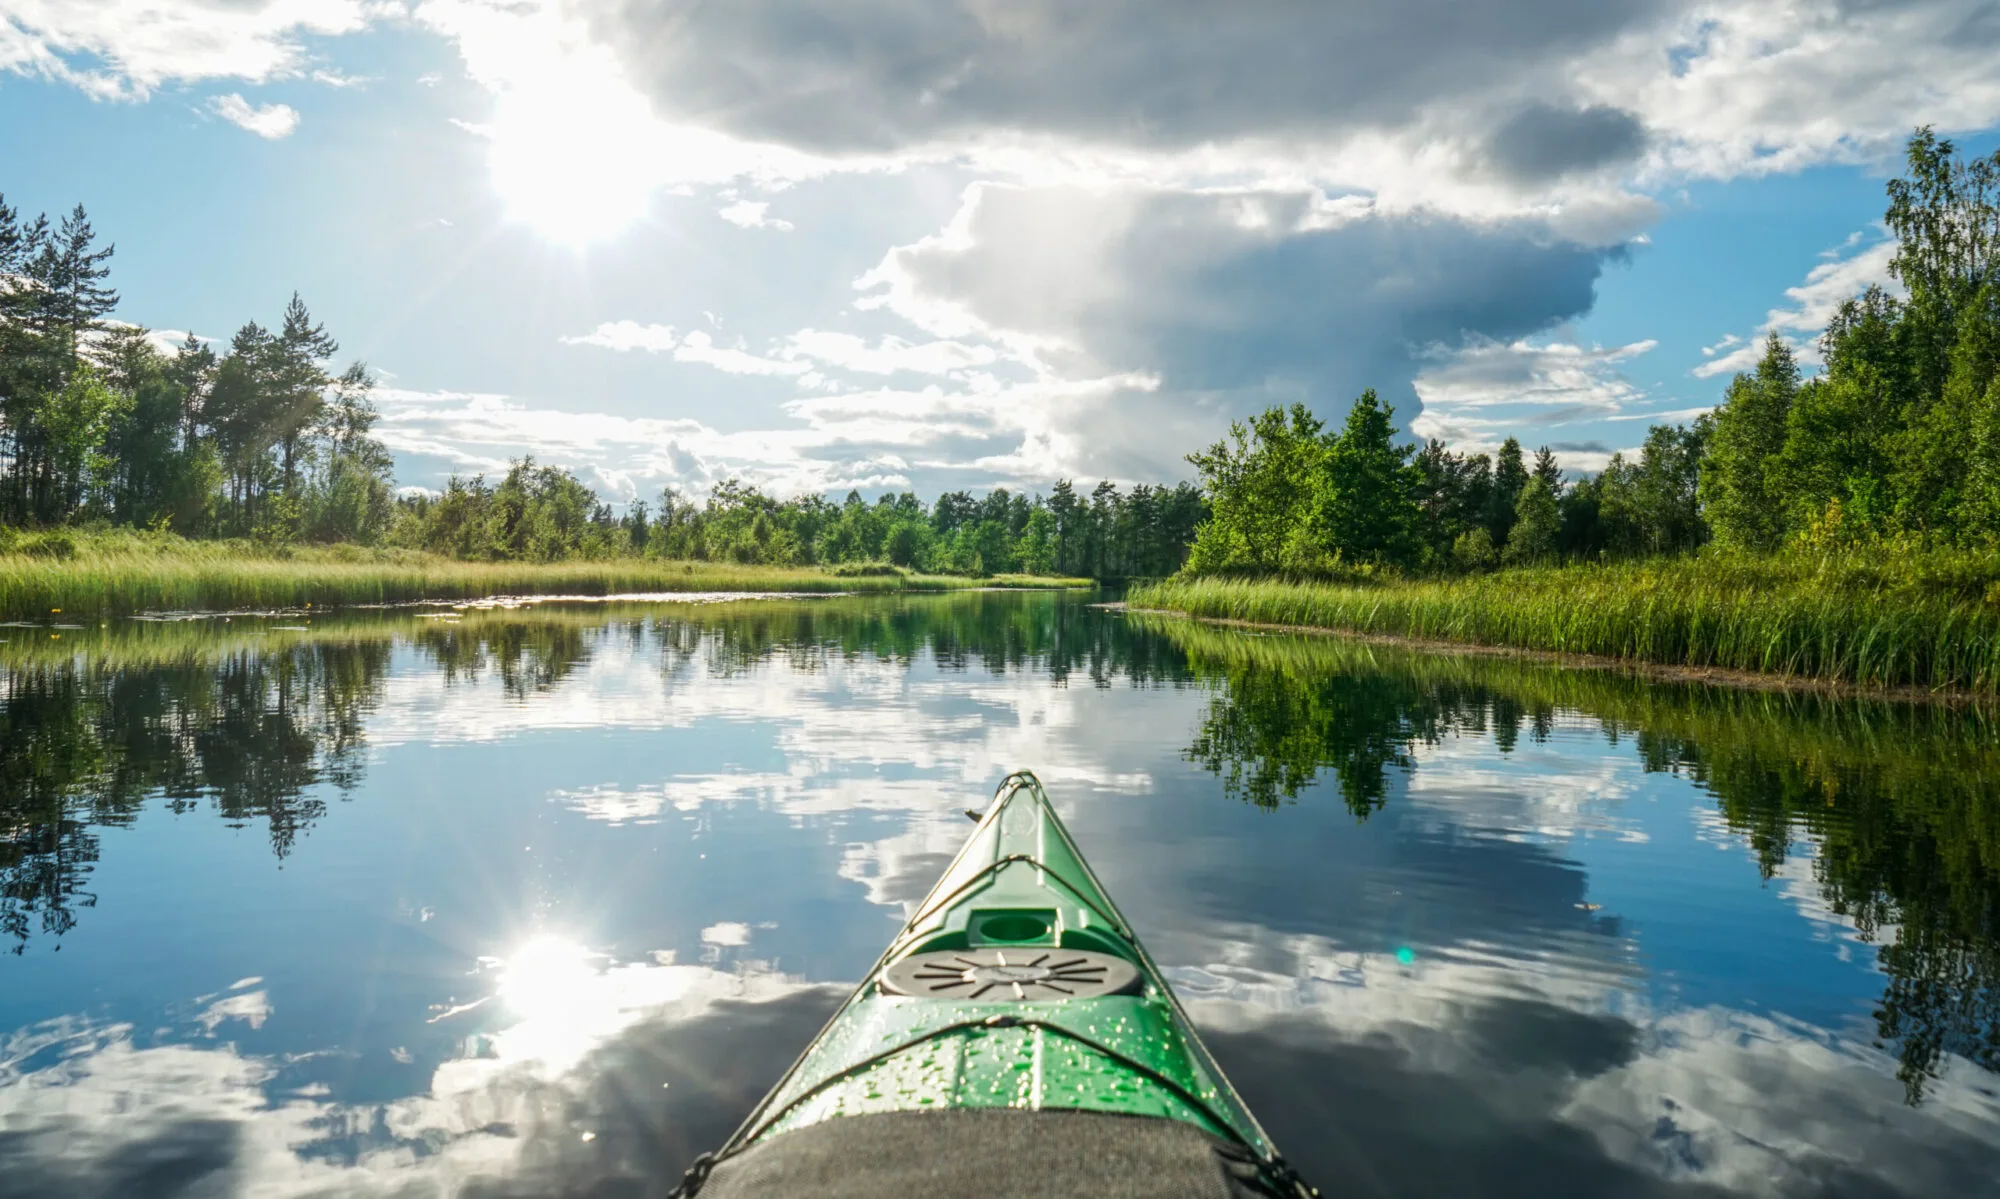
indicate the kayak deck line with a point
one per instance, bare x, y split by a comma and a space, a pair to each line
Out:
1016, 998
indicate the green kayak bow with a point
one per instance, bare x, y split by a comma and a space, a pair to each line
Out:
1013, 1040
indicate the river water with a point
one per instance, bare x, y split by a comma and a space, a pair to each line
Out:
539, 901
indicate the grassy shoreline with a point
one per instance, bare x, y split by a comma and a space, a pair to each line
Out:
119, 574
1863, 623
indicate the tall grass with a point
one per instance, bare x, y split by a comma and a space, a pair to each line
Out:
1908, 619
117, 573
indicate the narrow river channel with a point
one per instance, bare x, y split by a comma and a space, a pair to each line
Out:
538, 901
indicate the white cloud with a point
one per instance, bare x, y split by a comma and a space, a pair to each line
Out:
1826, 287
695, 346
1478, 394
126, 49
888, 355
252, 1008
268, 121
752, 214
470, 433
728, 933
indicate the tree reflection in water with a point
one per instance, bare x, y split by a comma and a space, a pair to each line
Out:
1899, 803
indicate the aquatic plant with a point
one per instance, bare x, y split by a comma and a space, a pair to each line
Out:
1884, 617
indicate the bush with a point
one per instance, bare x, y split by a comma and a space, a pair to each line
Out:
1474, 550
866, 570
56, 544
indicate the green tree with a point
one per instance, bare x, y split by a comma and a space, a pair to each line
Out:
1736, 489
1510, 475
1549, 471
77, 419
297, 380
1473, 549
1037, 554
72, 298
1261, 482
1368, 496
1668, 504
1537, 525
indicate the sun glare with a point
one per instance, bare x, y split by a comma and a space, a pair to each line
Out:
548, 978
575, 155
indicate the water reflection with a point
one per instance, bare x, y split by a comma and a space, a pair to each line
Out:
84, 745
540, 901
1898, 805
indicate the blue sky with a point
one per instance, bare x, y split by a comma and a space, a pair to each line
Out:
820, 244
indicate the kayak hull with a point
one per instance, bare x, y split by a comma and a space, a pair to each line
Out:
1017, 987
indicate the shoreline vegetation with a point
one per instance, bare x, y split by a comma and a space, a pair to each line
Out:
123, 573
1836, 624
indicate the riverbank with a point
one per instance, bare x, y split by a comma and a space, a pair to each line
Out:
120, 573
1922, 624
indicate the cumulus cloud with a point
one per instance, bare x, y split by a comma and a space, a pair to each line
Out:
267, 121
1477, 394
1812, 304
467, 433
1692, 86
694, 346
753, 214
840, 77
1208, 304
126, 49
1543, 141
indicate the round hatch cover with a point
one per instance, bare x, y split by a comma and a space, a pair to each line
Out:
1011, 974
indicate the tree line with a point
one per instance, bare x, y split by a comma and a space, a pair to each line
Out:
541, 513
1896, 440
97, 422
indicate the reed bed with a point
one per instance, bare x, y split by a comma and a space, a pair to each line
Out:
1928, 621
120, 574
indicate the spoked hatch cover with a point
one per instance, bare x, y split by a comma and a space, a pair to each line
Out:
1025, 973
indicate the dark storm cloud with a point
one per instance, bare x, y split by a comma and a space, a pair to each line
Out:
1237, 300
877, 75
1543, 142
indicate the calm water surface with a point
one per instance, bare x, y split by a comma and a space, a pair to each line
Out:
540, 901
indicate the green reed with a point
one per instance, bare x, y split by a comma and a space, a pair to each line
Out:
118, 573
1909, 619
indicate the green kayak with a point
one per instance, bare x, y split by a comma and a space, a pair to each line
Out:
1014, 1040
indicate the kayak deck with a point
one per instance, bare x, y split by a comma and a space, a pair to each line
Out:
1017, 986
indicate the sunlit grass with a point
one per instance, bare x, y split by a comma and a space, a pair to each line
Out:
117, 573
1927, 620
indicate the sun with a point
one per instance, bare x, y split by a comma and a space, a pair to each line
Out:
575, 155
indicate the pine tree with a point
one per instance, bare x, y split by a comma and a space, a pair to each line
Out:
193, 372
1549, 471
72, 298
298, 381
1510, 475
